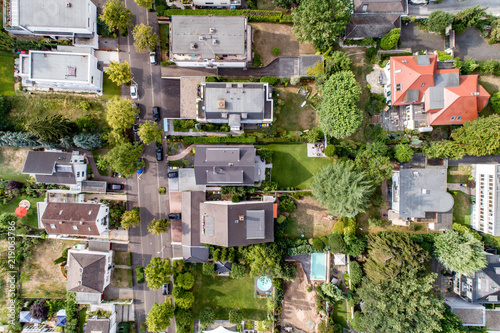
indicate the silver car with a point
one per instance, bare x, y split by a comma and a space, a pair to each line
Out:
134, 91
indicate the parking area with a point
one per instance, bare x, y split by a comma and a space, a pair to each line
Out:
416, 39
471, 44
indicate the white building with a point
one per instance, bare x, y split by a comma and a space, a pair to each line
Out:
484, 216
210, 41
75, 71
53, 18
228, 4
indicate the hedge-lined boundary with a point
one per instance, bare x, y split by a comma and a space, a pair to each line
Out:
272, 16
218, 139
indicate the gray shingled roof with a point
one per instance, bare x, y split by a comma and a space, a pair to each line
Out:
195, 253
225, 165
436, 98
380, 6
86, 272
43, 165
446, 79
97, 325
367, 26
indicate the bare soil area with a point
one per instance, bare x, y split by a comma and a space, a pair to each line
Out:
270, 35
39, 276
12, 161
307, 220
299, 306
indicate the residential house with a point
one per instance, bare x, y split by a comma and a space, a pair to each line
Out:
474, 314
227, 4
210, 41
71, 69
430, 93
101, 319
77, 219
56, 167
89, 273
485, 215
375, 18
193, 250
420, 195
52, 18
234, 103
228, 166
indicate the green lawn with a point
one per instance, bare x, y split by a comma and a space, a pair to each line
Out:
461, 208
292, 167
31, 217
109, 88
7, 73
224, 293
291, 116
340, 313
458, 174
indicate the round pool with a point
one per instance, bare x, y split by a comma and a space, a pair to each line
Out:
264, 283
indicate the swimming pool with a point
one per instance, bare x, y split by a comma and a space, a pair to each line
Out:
318, 266
264, 283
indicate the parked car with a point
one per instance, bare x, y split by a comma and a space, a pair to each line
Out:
159, 153
175, 216
152, 58
139, 162
419, 2
173, 175
115, 187
134, 91
164, 289
156, 113
135, 128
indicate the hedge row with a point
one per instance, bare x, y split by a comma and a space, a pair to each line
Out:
253, 15
302, 249
218, 139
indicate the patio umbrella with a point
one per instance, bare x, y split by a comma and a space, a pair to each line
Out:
21, 211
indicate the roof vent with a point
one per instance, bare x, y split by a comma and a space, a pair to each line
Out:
68, 4
201, 37
230, 164
60, 212
193, 46
81, 222
242, 218
90, 212
475, 93
215, 41
60, 222
211, 30
425, 191
235, 221
493, 298
221, 104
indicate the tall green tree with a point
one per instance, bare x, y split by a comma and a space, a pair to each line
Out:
445, 148
119, 72
120, 114
438, 21
124, 158
158, 272
87, 140
393, 254
144, 37
158, 318
185, 281
460, 252
342, 189
403, 153
149, 132
131, 218
321, 22
159, 226
338, 114
207, 316
332, 291
148, 4
390, 40
405, 304
479, 136
339, 61
50, 129
116, 16
377, 167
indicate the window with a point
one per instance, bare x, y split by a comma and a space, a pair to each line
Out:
365, 7
53, 226
404, 61
397, 71
452, 118
75, 227
90, 229
459, 117
78, 173
398, 86
423, 84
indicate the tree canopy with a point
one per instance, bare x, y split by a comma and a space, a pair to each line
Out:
321, 22
158, 272
341, 189
50, 128
120, 114
149, 132
124, 158
339, 61
445, 148
116, 16
119, 72
183, 299
148, 4
392, 254
332, 291
480, 136
337, 113
374, 163
460, 252
185, 281
438, 21
207, 316
131, 218
403, 153
390, 39
158, 318
159, 226
144, 37
405, 304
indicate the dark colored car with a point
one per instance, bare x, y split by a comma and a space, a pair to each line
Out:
175, 216
135, 128
156, 113
164, 289
173, 175
115, 187
159, 153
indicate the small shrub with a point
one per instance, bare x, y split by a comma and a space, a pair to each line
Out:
235, 198
269, 79
257, 62
139, 272
295, 80
167, 63
309, 289
238, 271
276, 51
390, 40
162, 190
208, 268
318, 244
235, 316
330, 150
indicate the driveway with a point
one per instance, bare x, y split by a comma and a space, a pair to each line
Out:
471, 44
466, 160
417, 40
454, 6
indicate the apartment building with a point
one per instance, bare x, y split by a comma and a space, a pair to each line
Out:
484, 215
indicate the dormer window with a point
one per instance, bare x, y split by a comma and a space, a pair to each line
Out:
452, 118
459, 118
75, 227
423, 84
364, 8
397, 71
398, 86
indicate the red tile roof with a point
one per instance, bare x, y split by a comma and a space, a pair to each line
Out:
71, 218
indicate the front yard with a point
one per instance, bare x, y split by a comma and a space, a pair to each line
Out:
458, 174
461, 207
222, 294
122, 278
307, 220
292, 167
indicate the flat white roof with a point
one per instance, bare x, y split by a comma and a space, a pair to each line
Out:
59, 66
53, 13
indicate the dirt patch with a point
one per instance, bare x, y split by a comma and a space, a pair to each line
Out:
12, 161
490, 82
308, 220
39, 276
270, 35
299, 306
290, 114
122, 278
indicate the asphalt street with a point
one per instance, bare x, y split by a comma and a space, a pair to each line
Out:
142, 190
454, 6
